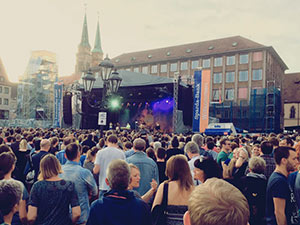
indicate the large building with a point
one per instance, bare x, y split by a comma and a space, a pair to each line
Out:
246, 77
291, 96
8, 96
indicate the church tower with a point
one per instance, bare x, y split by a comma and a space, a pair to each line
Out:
97, 53
83, 56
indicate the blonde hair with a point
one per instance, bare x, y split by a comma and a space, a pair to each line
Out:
23, 144
49, 167
132, 166
178, 169
218, 202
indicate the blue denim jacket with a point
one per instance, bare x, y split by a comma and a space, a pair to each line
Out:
61, 157
148, 170
84, 183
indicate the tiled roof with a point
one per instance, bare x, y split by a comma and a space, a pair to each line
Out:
290, 87
212, 47
67, 80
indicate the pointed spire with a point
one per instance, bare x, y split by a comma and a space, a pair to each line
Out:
85, 36
97, 46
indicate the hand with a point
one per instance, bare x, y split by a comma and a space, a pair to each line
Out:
153, 185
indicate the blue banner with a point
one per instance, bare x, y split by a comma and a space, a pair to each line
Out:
197, 100
58, 89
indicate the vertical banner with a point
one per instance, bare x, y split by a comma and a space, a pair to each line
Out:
58, 89
201, 100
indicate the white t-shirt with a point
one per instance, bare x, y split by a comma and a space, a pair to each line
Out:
103, 158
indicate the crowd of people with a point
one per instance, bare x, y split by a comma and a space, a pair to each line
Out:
70, 176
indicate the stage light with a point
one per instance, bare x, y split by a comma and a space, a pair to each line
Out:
114, 103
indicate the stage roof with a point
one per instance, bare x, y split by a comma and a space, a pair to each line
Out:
138, 79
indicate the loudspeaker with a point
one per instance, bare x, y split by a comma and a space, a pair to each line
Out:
67, 108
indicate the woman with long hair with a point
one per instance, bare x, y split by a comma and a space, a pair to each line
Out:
179, 186
22, 158
51, 196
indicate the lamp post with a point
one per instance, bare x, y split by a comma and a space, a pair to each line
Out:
111, 83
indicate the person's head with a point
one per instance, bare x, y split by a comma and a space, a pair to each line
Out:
134, 176
118, 174
127, 145
23, 144
10, 196
286, 157
45, 145
49, 167
18, 137
257, 165
89, 137
5, 148
139, 144
91, 154
7, 165
217, 202
66, 141
191, 148
175, 142
274, 141
54, 141
156, 145
161, 153
177, 169
266, 147
255, 151
205, 168
225, 144
287, 141
210, 145
73, 152
198, 139
112, 139
150, 153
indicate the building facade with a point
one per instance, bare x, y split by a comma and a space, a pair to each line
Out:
246, 77
8, 96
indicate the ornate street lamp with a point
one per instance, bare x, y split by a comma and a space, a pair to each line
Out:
88, 81
114, 82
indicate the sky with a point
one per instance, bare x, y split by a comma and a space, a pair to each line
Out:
135, 25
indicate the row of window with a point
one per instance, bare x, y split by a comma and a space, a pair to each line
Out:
218, 61
229, 94
243, 76
5, 101
4, 114
6, 90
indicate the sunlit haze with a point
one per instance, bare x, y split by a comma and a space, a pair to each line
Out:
134, 25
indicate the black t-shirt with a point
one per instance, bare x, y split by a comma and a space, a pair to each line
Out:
53, 198
278, 187
161, 171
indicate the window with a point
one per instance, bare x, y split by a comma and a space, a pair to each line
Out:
230, 60
173, 67
154, 69
5, 101
217, 78
229, 94
206, 63
145, 69
243, 93
216, 95
292, 112
195, 64
136, 69
0, 89
257, 74
229, 77
243, 75
183, 66
128, 69
0, 101
257, 56
244, 59
218, 61
163, 68
4, 114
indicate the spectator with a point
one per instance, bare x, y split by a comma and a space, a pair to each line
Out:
205, 168
135, 183
151, 154
161, 164
36, 159
225, 151
254, 186
89, 141
10, 196
210, 149
83, 179
192, 151
174, 148
22, 155
147, 166
103, 158
58, 194
179, 186
255, 151
280, 203
198, 139
267, 150
217, 202
119, 206
61, 154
